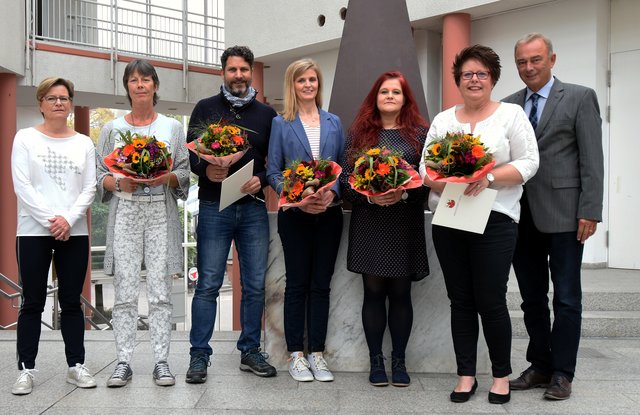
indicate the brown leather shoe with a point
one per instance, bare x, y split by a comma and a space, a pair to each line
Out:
528, 379
559, 389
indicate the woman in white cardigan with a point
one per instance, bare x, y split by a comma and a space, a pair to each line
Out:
55, 183
143, 225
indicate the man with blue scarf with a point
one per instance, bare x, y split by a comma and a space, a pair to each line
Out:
244, 222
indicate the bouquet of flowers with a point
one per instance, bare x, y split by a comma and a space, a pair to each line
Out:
380, 170
141, 157
458, 157
221, 144
304, 179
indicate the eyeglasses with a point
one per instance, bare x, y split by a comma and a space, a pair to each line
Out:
51, 99
482, 75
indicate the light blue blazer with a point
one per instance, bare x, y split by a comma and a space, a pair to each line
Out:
288, 143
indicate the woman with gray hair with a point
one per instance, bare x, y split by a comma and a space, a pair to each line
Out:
143, 224
55, 183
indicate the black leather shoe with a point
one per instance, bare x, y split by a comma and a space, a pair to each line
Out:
559, 389
498, 399
528, 379
459, 397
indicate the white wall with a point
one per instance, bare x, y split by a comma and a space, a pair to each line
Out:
578, 30
12, 33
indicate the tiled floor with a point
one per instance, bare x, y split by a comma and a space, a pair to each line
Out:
607, 382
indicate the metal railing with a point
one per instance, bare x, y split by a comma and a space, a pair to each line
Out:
95, 315
191, 34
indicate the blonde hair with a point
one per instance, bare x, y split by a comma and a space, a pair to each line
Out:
295, 70
49, 83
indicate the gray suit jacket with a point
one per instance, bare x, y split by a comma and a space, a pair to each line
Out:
569, 182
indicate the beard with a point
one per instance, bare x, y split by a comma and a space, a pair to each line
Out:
238, 89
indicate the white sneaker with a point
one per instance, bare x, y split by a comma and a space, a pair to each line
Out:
299, 367
80, 376
319, 367
24, 384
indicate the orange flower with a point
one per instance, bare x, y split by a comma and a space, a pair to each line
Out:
477, 152
139, 143
296, 189
435, 150
127, 150
237, 140
383, 169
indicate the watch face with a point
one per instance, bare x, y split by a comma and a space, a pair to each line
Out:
405, 196
490, 177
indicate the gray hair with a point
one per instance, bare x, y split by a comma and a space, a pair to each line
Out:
530, 38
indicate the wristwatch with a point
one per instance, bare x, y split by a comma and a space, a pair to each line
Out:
117, 185
491, 178
405, 195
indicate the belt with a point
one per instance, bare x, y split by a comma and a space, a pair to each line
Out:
147, 198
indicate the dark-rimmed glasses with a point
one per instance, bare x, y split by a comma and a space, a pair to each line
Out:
468, 75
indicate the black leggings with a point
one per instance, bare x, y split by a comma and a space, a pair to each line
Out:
374, 312
70, 259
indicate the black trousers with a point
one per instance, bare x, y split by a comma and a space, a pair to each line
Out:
551, 348
310, 244
476, 270
70, 259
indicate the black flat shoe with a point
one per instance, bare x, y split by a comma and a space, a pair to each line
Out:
498, 399
459, 397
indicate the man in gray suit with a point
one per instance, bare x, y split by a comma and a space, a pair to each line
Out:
561, 207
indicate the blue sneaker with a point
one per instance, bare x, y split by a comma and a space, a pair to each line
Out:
197, 372
256, 361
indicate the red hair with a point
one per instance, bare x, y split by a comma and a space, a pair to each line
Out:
367, 124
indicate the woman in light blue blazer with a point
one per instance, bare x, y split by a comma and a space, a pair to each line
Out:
311, 234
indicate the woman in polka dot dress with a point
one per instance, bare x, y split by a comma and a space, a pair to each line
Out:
386, 234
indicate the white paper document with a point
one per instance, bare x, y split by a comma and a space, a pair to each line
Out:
230, 191
467, 213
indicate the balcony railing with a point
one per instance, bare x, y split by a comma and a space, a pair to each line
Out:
192, 34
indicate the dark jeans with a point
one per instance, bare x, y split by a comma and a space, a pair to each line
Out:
247, 225
70, 259
310, 244
551, 349
476, 270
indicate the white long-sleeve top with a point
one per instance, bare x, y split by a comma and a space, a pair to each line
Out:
509, 137
52, 177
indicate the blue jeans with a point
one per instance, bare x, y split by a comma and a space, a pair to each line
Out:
246, 224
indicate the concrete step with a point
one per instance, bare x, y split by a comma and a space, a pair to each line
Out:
610, 303
594, 323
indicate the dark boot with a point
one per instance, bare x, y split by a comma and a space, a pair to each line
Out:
399, 375
378, 376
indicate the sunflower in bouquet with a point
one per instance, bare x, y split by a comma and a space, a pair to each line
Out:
221, 143
305, 178
379, 170
457, 156
140, 156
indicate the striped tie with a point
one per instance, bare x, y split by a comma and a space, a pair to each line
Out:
533, 114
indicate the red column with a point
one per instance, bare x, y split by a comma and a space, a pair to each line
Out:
258, 80
82, 124
8, 213
456, 33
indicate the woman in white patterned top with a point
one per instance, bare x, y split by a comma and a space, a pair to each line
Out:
143, 225
54, 180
